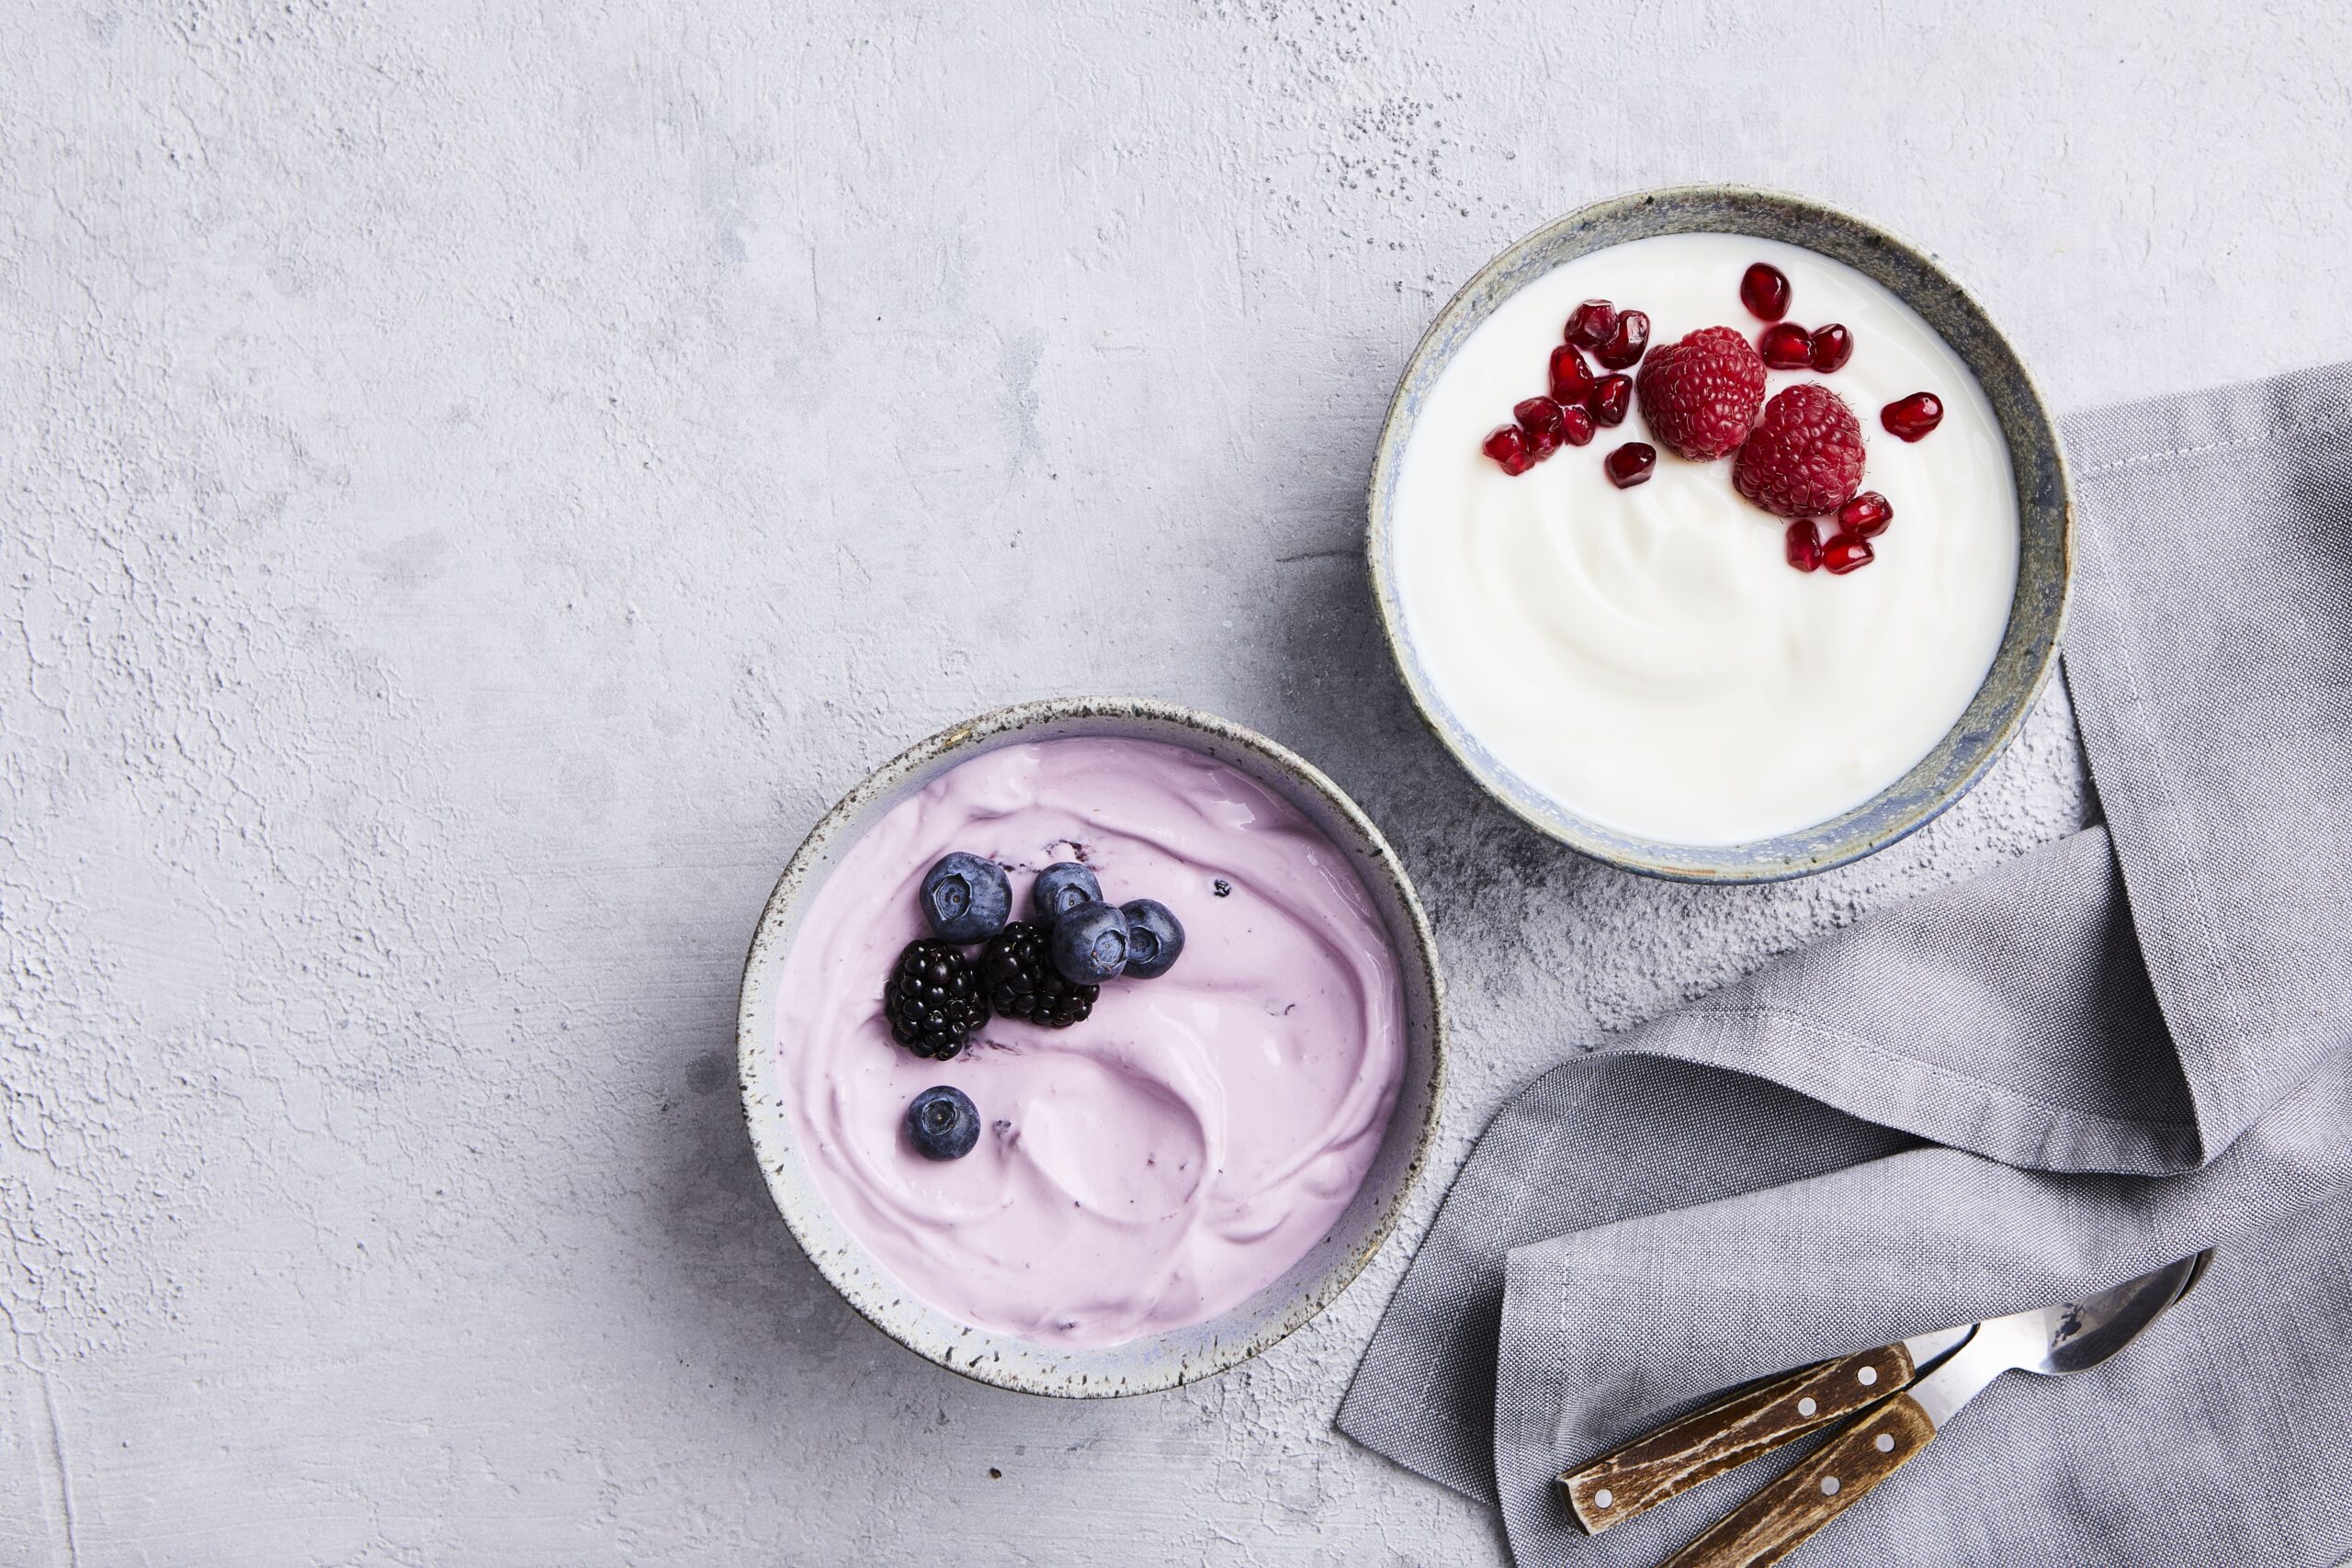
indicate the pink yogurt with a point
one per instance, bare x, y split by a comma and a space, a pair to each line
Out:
1159, 1163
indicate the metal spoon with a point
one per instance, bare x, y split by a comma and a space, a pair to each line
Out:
2053, 1340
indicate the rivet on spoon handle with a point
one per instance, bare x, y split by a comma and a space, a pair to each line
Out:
1731, 1431
1784, 1516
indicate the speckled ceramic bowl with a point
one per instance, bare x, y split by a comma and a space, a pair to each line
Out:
1164, 1360
2045, 567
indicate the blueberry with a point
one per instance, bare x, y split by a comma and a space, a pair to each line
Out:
942, 1123
1063, 886
1091, 943
1155, 937
967, 898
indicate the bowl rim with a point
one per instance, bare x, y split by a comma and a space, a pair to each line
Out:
875, 1296
1565, 825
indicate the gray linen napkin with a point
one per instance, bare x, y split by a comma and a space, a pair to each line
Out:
2129, 1044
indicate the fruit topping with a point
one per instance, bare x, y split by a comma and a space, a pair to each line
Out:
1626, 342
1866, 517
1631, 463
1155, 938
1571, 376
1912, 417
1764, 289
1507, 445
933, 1000
1540, 418
1089, 943
1019, 980
1700, 396
1590, 325
1786, 346
1832, 346
967, 898
1611, 399
1575, 426
1805, 456
1804, 545
1061, 887
1847, 552
942, 1123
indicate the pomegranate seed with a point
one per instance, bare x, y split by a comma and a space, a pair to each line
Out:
1832, 346
1866, 517
1804, 545
1610, 398
1538, 413
1847, 552
1785, 347
1542, 443
1571, 376
1507, 445
1625, 345
1631, 463
1575, 426
1590, 325
1764, 289
1914, 416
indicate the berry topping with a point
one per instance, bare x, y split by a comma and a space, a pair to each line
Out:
1061, 887
1626, 342
1571, 376
1507, 445
1590, 325
1155, 938
1018, 977
1847, 552
1914, 416
1631, 463
1805, 456
967, 898
1089, 943
1786, 346
1804, 545
1610, 398
1832, 346
1866, 517
933, 1000
942, 1123
1575, 426
1764, 289
1700, 396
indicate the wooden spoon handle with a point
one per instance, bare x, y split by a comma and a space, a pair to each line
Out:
1782, 1516
1729, 1432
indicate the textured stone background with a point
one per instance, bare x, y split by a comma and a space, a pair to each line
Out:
479, 481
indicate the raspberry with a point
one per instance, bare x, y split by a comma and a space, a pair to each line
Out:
1805, 456
1700, 396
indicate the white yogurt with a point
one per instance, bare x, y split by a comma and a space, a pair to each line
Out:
1648, 657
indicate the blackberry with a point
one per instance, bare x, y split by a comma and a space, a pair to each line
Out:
1018, 978
933, 1000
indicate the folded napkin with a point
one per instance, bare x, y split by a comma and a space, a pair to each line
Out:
2130, 1045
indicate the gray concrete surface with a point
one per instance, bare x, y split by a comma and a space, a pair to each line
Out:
479, 481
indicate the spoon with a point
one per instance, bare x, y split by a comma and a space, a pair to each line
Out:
2052, 1341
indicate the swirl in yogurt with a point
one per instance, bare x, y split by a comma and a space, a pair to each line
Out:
1159, 1163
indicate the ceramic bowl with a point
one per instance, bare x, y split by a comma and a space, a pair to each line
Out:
2045, 567
1164, 1360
